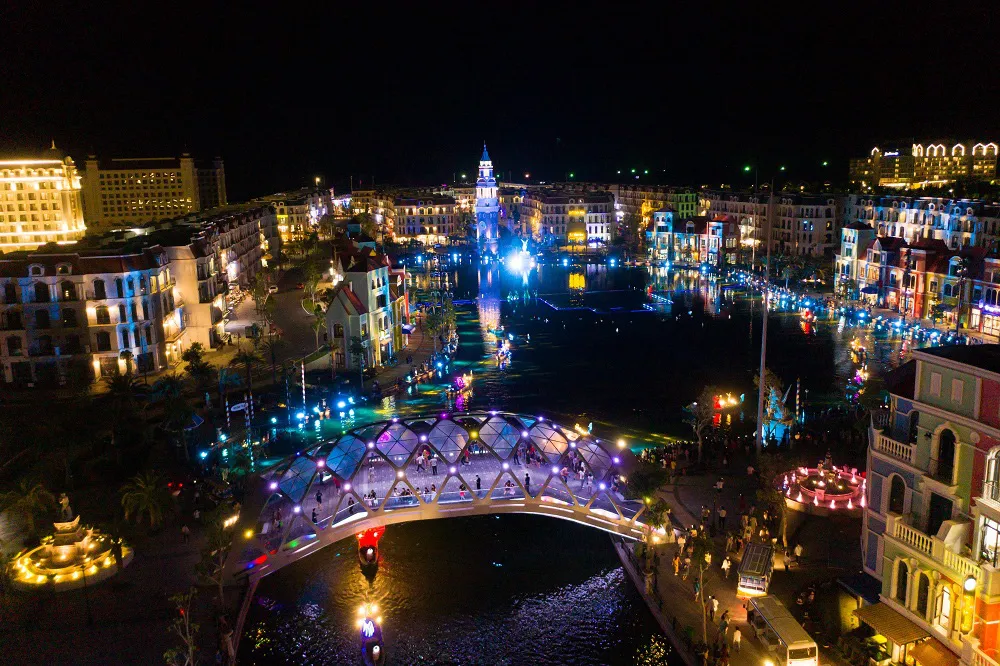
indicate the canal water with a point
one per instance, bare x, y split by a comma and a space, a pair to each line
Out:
589, 345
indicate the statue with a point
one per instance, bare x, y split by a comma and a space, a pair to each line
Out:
65, 510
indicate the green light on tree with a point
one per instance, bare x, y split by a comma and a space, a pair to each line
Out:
746, 168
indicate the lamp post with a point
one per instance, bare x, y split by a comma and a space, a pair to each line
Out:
968, 603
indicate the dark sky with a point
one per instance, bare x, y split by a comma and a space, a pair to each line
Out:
408, 92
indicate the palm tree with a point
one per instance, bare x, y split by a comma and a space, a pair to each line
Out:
125, 392
177, 412
146, 495
28, 501
655, 517
249, 360
168, 386
270, 348
127, 356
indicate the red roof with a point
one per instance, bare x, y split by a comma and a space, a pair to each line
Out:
352, 298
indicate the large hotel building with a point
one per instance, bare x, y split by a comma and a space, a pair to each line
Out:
40, 201
68, 313
913, 165
125, 192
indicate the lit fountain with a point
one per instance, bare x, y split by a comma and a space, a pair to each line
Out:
822, 489
75, 555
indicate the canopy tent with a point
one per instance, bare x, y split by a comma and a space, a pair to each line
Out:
890, 624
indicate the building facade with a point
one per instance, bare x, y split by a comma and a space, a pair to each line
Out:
643, 200
583, 219
931, 531
428, 219
299, 212
368, 304
69, 313
120, 193
40, 202
957, 222
915, 165
802, 224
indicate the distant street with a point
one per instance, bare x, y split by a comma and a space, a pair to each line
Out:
295, 324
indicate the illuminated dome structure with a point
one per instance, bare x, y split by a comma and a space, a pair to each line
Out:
822, 489
74, 556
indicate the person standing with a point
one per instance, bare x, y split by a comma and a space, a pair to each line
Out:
434, 464
726, 564
715, 607
479, 483
676, 562
185, 533
527, 483
737, 637
722, 519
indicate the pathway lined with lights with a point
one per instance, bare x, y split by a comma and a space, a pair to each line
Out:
431, 467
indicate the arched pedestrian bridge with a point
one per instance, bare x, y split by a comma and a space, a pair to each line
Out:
382, 473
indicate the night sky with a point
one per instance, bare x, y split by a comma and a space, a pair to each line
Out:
408, 93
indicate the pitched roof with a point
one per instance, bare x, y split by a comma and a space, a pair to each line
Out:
349, 298
984, 357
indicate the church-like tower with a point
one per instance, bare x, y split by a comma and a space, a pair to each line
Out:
487, 201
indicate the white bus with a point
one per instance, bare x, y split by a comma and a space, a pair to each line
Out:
780, 634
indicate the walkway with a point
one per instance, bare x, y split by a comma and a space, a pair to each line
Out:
687, 497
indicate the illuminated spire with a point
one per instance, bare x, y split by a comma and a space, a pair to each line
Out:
486, 155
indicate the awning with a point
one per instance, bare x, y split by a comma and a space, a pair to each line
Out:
408, 328
890, 624
933, 652
870, 290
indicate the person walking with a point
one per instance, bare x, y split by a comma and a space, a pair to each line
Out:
697, 588
479, 483
527, 483
434, 464
722, 519
737, 638
676, 562
715, 607
726, 565
185, 534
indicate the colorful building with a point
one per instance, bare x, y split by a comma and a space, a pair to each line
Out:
931, 530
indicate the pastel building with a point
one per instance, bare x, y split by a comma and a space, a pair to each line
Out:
931, 530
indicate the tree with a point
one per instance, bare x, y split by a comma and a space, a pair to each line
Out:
318, 322
769, 496
700, 416
358, 351
185, 630
701, 557
146, 495
655, 516
128, 357
28, 501
250, 361
177, 412
434, 324
213, 556
270, 349
125, 392
194, 353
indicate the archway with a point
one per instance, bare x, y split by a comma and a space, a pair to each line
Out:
897, 494
946, 455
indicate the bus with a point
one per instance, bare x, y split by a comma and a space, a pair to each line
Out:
780, 634
754, 574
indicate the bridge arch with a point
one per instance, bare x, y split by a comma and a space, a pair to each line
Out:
486, 463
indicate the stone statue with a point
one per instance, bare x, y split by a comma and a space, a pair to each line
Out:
65, 510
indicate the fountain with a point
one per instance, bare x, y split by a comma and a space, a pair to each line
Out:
822, 489
75, 556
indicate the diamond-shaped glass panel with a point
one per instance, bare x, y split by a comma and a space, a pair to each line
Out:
397, 443
345, 456
499, 435
449, 439
507, 487
295, 480
596, 458
549, 441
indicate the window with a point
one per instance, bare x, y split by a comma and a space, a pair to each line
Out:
9, 293
936, 384
946, 455
942, 614
13, 346
103, 341
923, 591
957, 388
897, 494
119, 288
41, 292
42, 319
121, 313
902, 578
126, 342
67, 291
99, 291
989, 542
69, 318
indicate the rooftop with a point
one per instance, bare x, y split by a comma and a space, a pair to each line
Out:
983, 357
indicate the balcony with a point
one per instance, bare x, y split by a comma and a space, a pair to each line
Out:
898, 450
980, 658
912, 537
959, 566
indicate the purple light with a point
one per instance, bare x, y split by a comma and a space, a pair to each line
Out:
616, 460
371, 445
423, 438
572, 445
524, 434
493, 412
320, 463
602, 486
347, 486
452, 469
297, 509
541, 418
443, 415
555, 470
506, 466
395, 419
273, 485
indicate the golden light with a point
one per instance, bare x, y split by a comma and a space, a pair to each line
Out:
621, 443
248, 534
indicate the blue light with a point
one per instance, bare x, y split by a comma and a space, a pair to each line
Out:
438, 364
222, 437
565, 262
350, 400
300, 416
274, 419
351, 412
203, 455
225, 453
341, 404
612, 262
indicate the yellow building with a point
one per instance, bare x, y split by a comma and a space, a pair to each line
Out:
125, 192
40, 202
934, 163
